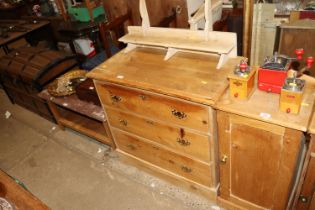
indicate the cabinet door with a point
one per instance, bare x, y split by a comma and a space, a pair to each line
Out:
257, 162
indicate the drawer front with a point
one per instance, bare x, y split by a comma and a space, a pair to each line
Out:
155, 106
165, 159
179, 139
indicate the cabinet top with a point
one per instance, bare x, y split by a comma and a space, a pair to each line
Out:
189, 76
265, 107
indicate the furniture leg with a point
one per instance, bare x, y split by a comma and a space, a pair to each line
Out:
56, 114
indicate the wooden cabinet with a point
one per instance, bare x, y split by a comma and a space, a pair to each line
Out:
167, 132
161, 113
257, 162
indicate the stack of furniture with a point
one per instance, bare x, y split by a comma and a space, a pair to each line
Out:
25, 71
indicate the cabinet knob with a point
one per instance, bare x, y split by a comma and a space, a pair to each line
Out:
178, 114
183, 142
115, 98
130, 146
303, 199
223, 159
186, 169
143, 97
123, 122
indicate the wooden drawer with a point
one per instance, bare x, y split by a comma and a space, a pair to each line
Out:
179, 139
181, 165
155, 106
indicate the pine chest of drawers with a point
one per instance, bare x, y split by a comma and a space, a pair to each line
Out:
160, 113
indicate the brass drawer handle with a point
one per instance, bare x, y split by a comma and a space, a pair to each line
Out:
183, 142
143, 97
130, 146
149, 122
223, 159
186, 169
178, 114
123, 122
115, 98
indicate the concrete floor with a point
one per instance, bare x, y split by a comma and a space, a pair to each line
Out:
69, 171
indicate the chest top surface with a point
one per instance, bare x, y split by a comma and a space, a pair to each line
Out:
265, 107
189, 76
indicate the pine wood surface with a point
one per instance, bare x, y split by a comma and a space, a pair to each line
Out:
148, 151
219, 42
175, 179
189, 76
195, 145
264, 106
20, 197
157, 106
261, 159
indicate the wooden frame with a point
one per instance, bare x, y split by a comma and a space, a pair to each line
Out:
223, 44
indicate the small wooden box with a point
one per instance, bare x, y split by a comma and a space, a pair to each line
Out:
290, 101
242, 87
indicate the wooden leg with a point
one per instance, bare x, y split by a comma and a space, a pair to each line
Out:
109, 134
55, 112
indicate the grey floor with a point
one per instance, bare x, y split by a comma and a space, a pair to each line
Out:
69, 171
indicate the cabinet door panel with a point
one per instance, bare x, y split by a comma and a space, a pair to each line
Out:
258, 162
255, 156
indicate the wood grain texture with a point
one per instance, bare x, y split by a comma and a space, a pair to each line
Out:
187, 76
196, 188
218, 42
20, 197
261, 160
181, 140
155, 106
267, 103
181, 165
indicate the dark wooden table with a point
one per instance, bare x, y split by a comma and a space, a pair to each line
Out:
82, 116
14, 35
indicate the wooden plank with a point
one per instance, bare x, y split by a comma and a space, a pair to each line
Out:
73, 103
219, 42
224, 145
264, 106
188, 76
21, 198
181, 140
291, 148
